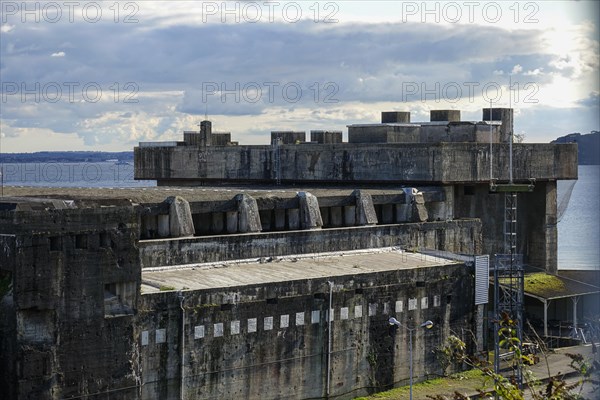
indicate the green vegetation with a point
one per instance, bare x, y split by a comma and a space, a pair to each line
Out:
464, 382
543, 284
165, 288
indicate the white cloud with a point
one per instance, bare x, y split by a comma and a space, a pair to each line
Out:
166, 60
6, 28
516, 69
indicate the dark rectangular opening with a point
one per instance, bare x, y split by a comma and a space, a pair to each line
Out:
358, 291
226, 307
319, 296
272, 300
448, 298
81, 241
469, 190
55, 243
104, 239
420, 283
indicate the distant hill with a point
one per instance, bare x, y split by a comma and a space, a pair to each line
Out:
588, 145
66, 156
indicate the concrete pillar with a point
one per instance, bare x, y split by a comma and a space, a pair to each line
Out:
293, 215
216, 222
163, 225
232, 221
280, 219
349, 215
403, 212
325, 215
205, 133
310, 214
335, 217
326, 136
444, 115
387, 213
266, 219
249, 217
418, 212
181, 223
389, 117
365, 210
504, 115
150, 226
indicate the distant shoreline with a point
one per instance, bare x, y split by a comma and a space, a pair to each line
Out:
66, 157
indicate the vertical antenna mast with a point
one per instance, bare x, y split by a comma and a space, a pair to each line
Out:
491, 140
510, 143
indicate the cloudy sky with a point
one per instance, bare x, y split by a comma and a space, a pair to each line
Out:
105, 75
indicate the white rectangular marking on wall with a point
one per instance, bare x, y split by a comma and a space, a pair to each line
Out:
386, 308
436, 301
268, 324
399, 306
160, 336
235, 327
315, 317
424, 303
144, 338
358, 311
372, 309
299, 318
284, 321
251, 325
344, 313
412, 304
482, 279
199, 332
219, 329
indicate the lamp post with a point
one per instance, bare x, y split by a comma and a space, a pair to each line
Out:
427, 324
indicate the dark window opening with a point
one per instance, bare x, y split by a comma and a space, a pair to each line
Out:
272, 300
55, 243
81, 241
469, 190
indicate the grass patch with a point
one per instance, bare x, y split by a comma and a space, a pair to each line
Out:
467, 382
165, 288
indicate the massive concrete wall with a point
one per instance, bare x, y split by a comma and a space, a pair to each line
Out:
402, 163
67, 322
536, 214
271, 341
460, 236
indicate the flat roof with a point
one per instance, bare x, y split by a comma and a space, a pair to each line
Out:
283, 269
545, 286
157, 194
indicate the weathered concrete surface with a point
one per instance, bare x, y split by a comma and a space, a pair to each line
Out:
72, 269
365, 211
459, 236
310, 214
343, 163
180, 217
270, 340
249, 217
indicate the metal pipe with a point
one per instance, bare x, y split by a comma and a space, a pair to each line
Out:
510, 145
427, 324
491, 141
410, 335
329, 312
181, 299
